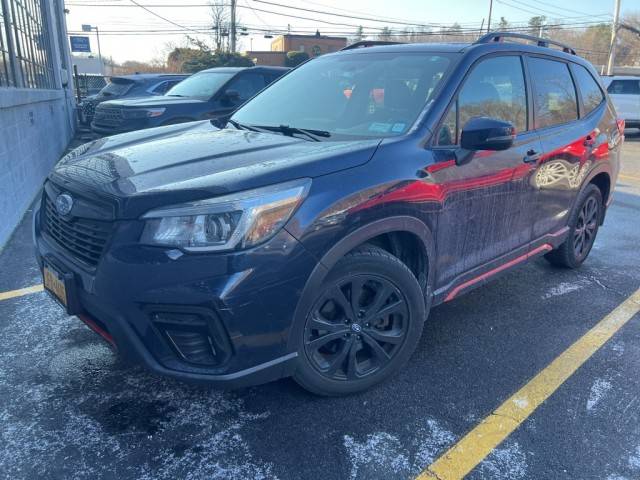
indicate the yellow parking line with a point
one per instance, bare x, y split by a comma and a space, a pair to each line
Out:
629, 177
20, 292
474, 447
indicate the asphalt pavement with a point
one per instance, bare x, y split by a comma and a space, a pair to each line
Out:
70, 409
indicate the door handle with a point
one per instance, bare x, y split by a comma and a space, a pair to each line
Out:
532, 156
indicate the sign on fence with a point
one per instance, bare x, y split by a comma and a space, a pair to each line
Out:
80, 44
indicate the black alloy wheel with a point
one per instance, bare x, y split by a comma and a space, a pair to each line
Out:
363, 324
356, 327
584, 233
583, 225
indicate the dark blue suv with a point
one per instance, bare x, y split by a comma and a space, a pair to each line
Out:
211, 94
312, 235
129, 86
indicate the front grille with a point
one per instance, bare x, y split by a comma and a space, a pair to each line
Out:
108, 116
84, 239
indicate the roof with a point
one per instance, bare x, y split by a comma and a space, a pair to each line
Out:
150, 76
239, 69
412, 47
506, 46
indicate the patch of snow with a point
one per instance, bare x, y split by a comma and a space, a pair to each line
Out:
521, 402
634, 460
598, 390
564, 288
382, 455
507, 463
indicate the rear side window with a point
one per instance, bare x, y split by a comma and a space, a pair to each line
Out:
161, 88
591, 94
624, 87
554, 93
495, 88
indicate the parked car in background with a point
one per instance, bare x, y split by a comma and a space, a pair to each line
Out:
624, 92
212, 94
129, 86
312, 235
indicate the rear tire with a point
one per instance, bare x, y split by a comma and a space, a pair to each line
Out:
364, 325
583, 228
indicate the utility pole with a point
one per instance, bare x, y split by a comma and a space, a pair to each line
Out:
489, 21
614, 37
233, 26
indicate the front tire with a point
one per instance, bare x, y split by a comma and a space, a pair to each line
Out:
364, 325
583, 228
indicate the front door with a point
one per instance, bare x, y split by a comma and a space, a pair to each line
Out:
486, 203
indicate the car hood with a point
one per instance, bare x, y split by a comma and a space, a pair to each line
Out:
179, 163
156, 101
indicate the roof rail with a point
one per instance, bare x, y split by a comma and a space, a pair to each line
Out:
541, 42
368, 43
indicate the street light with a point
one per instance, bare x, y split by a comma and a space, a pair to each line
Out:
91, 28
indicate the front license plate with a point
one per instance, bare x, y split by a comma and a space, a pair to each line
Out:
54, 283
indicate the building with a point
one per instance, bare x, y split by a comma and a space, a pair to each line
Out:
313, 45
36, 102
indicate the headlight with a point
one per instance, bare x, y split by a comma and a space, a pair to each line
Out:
144, 112
239, 220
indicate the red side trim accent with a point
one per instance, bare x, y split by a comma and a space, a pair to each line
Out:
439, 166
96, 328
542, 248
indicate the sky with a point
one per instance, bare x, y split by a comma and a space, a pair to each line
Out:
130, 32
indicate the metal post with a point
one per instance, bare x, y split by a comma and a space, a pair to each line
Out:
76, 81
233, 26
489, 21
614, 38
99, 52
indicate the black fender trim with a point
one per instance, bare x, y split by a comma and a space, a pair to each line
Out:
348, 243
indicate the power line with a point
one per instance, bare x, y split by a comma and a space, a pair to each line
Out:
160, 16
342, 15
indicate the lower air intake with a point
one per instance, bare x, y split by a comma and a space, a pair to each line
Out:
197, 338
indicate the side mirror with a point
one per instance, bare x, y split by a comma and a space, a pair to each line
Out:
231, 96
484, 133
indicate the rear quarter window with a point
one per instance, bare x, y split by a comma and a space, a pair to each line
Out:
590, 91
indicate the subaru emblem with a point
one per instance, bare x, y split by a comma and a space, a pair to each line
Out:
64, 204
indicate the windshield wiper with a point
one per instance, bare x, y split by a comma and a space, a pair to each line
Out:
175, 95
242, 126
290, 131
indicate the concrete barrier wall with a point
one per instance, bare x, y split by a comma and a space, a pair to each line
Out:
35, 128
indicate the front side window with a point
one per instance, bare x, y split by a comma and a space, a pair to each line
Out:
202, 85
624, 87
591, 94
354, 95
495, 88
247, 85
554, 97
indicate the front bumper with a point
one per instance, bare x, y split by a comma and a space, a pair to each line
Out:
250, 295
123, 126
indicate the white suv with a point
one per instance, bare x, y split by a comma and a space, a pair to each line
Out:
625, 94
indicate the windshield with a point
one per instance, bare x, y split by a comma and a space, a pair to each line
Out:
202, 85
117, 87
361, 95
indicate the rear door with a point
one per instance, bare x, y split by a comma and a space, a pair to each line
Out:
625, 95
487, 203
568, 110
